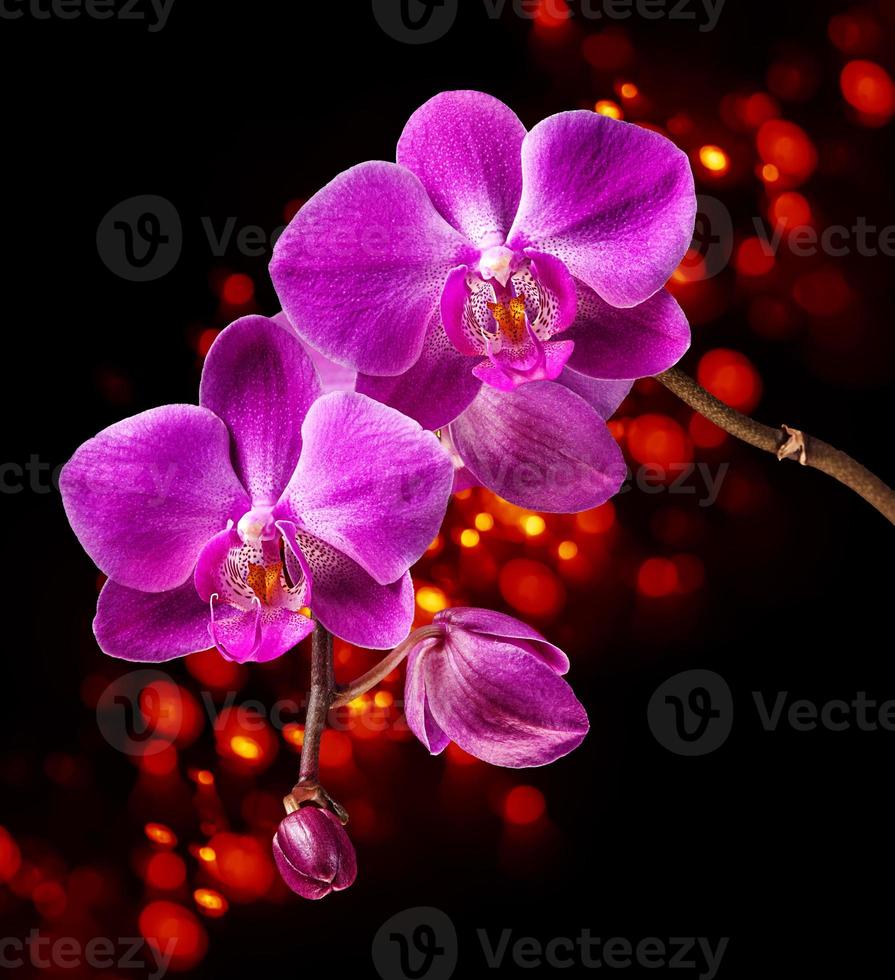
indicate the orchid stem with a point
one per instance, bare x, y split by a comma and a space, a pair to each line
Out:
323, 687
385, 666
784, 443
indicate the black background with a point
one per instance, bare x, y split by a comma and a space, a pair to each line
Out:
782, 841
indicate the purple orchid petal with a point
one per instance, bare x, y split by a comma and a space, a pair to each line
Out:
436, 389
370, 482
150, 627
236, 633
259, 380
614, 201
454, 300
510, 368
418, 713
147, 493
348, 601
602, 396
332, 376
560, 290
637, 342
465, 148
361, 266
501, 626
540, 446
500, 703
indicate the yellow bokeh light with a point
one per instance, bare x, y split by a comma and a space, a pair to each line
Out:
207, 853
533, 525
606, 107
431, 598
469, 538
629, 90
567, 550
714, 158
245, 747
384, 699
484, 522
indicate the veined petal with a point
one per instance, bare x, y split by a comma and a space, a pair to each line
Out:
259, 380
604, 397
637, 342
416, 704
614, 201
361, 266
500, 703
146, 494
436, 389
348, 602
540, 446
466, 147
370, 482
150, 627
501, 626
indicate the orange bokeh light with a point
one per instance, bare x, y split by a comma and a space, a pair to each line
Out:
606, 107
597, 521
210, 902
531, 587
790, 210
730, 376
658, 440
242, 865
158, 833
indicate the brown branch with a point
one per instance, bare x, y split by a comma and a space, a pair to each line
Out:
322, 690
784, 443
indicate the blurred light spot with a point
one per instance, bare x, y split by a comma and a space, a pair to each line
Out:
207, 854
714, 159
383, 699
166, 871
567, 550
868, 88
210, 902
294, 734
245, 747
431, 598
158, 833
335, 749
174, 932
658, 440
769, 173
469, 538
628, 90
524, 805
243, 865
206, 339
609, 50
790, 210
484, 522
597, 521
10, 856
823, 292
238, 289
534, 525
606, 107
530, 587
788, 148
855, 32
730, 376
657, 578
704, 433
50, 900
754, 257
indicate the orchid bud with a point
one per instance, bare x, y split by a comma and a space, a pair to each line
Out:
492, 685
313, 853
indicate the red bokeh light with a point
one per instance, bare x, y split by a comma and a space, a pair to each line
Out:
657, 578
531, 587
165, 871
10, 856
730, 376
868, 88
658, 440
754, 257
790, 210
788, 147
174, 931
242, 865
524, 805
238, 289
822, 292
